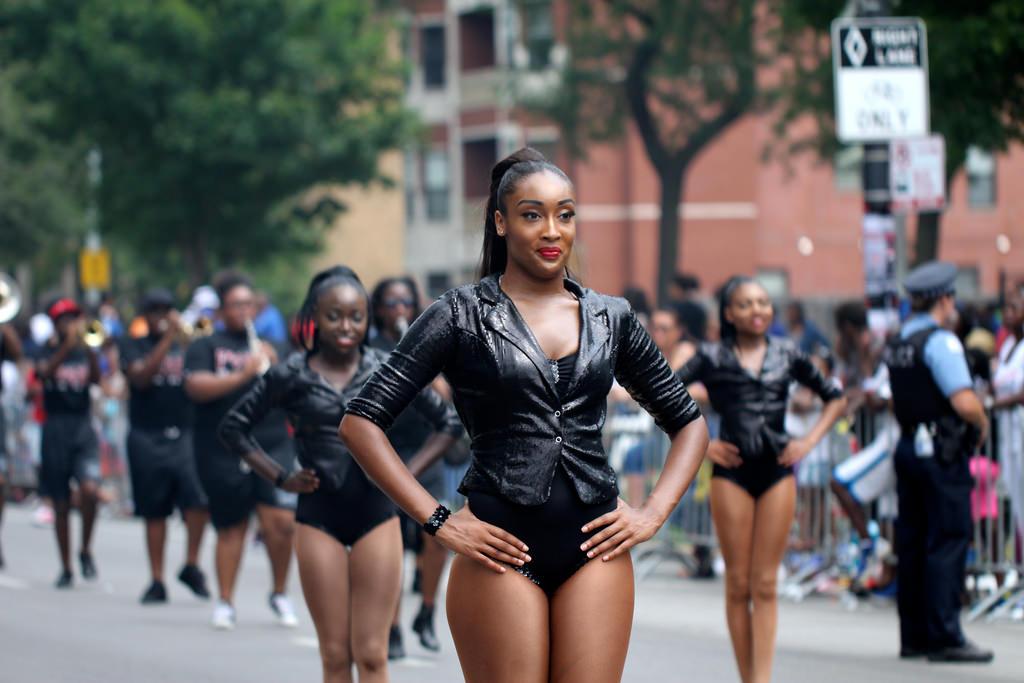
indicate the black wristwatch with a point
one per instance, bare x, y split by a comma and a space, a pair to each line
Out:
282, 476
436, 520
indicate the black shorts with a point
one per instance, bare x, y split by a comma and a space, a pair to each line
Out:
163, 472
233, 490
70, 450
349, 513
754, 476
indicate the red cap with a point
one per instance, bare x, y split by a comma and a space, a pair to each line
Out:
63, 307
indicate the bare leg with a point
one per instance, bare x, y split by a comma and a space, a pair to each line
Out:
278, 526
195, 525
228, 558
636, 489
773, 520
88, 501
853, 511
61, 513
589, 637
732, 510
324, 574
499, 623
375, 584
432, 560
156, 536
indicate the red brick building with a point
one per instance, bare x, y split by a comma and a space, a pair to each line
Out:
798, 228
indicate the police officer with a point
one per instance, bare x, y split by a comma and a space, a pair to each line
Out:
941, 422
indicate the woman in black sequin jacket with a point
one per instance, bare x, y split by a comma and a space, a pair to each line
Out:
530, 356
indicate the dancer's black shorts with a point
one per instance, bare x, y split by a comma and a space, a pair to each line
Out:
70, 450
349, 513
551, 530
163, 472
755, 476
233, 490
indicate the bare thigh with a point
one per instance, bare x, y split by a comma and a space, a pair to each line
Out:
773, 520
591, 619
375, 563
732, 510
324, 574
499, 623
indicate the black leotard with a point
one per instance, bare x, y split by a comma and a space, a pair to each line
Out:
552, 529
347, 505
753, 408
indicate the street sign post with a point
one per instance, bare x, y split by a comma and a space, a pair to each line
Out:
94, 268
881, 78
917, 174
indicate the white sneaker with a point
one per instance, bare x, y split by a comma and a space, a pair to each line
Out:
223, 616
284, 609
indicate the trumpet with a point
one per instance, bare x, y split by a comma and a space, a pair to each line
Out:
203, 327
255, 347
94, 334
10, 298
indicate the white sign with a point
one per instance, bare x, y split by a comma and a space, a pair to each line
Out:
917, 174
881, 79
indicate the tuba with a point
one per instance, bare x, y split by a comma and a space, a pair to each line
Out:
10, 298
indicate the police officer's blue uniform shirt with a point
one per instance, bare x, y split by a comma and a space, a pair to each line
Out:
943, 354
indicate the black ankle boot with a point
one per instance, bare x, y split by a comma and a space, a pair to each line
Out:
423, 625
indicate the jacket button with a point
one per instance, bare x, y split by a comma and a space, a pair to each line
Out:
558, 439
558, 413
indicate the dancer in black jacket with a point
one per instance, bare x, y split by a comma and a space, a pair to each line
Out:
348, 542
530, 356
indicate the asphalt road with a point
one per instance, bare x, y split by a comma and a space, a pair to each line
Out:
99, 633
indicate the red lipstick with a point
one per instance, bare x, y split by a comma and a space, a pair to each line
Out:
550, 253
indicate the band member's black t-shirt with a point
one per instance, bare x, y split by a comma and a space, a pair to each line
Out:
67, 391
222, 353
163, 402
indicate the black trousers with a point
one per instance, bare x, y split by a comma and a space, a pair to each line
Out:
932, 535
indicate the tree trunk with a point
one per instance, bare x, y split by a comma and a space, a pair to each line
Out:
926, 247
194, 253
671, 178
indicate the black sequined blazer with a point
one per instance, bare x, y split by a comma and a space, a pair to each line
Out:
753, 408
314, 409
505, 389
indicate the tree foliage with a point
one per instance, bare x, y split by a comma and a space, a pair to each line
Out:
41, 183
976, 77
221, 122
681, 70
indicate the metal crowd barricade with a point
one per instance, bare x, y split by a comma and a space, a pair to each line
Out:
996, 559
823, 550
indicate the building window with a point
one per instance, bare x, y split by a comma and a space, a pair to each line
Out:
981, 178
476, 40
432, 56
478, 158
967, 283
539, 33
436, 184
438, 284
847, 168
775, 282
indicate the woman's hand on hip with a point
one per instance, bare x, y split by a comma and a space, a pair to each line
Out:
465, 534
724, 454
623, 528
795, 451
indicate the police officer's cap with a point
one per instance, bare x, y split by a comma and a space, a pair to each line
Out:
931, 280
156, 299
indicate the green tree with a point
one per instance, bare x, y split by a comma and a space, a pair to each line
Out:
682, 71
975, 53
221, 122
41, 183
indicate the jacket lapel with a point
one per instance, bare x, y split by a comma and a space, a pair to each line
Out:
594, 334
503, 319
